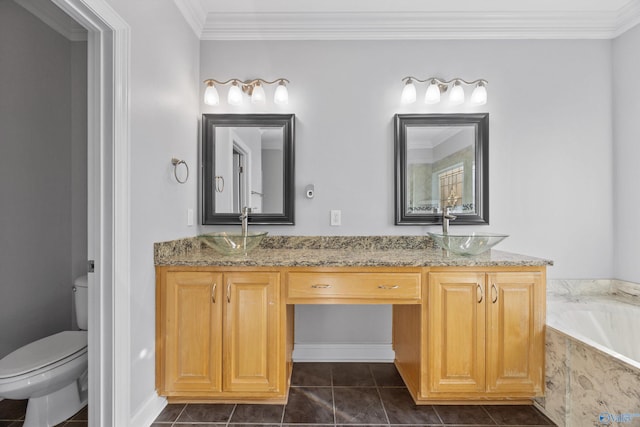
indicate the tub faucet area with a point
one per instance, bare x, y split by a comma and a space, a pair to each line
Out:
446, 217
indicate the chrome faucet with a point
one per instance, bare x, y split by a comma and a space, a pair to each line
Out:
446, 217
244, 217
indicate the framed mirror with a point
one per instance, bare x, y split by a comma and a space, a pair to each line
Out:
441, 160
248, 160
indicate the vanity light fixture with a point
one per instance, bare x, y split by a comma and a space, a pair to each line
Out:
438, 86
254, 88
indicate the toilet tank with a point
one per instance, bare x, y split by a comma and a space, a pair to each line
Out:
81, 293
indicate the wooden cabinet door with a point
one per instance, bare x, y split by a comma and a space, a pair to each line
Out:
456, 325
193, 332
252, 340
515, 336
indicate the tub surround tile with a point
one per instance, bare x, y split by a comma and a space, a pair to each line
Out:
577, 288
557, 354
583, 382
601, 384
336, 251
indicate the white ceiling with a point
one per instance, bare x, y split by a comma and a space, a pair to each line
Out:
408, 19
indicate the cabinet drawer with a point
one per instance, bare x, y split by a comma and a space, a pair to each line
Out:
318, 287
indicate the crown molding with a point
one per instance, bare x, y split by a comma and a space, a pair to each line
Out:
55, 18
407, 25
194, 13
628, 17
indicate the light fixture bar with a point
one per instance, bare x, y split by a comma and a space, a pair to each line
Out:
254, 88
437, 86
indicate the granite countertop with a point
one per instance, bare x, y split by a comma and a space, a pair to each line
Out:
335, 251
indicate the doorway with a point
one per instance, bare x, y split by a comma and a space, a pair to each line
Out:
108, 207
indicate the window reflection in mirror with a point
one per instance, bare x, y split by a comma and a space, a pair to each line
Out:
248, 162
441, 161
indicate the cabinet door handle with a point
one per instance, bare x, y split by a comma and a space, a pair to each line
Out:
388, 287
229, 291
479, 292
321, 286
494, 293
213, 292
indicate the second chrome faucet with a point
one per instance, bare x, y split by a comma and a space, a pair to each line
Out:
446, 217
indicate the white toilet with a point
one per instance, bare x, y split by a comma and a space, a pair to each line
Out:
51, 372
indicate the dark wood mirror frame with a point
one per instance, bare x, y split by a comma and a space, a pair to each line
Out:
209, 124
480, 121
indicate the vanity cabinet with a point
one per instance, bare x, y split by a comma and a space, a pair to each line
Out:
485, 335
460, 334
219, 335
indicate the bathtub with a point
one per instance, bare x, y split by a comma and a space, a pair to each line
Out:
600, 322
592, 361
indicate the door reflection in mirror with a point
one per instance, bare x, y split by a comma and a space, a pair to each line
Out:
251, 160
248, 161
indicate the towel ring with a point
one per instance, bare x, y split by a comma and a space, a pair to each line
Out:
176, 162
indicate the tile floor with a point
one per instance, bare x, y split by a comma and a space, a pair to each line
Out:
326, 394
337, 394
12, 415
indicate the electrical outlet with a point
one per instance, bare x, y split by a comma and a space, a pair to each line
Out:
189, 217
336, 217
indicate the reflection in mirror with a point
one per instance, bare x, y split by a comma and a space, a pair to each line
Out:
248, 162
441, 161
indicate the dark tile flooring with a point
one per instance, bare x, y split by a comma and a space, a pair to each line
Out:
325, 394
338, 394
12, 415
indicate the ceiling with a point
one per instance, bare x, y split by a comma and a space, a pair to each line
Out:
386, 19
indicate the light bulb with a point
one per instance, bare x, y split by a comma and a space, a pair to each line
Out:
433, 93
234, 97
258, 96
479, 95
211, 95
408, 93
281, 97
456, 97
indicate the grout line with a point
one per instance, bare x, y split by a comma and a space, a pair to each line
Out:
178, 417
487, 412
233, 411
333, 398
380, 396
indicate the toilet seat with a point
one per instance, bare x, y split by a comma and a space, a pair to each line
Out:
42, 353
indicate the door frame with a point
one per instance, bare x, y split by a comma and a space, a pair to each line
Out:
108, 174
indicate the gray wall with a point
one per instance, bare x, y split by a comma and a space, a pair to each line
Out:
163, 89
550, 144
42, 177
626, 111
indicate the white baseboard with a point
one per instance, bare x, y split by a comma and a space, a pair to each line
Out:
149, 411
343, 353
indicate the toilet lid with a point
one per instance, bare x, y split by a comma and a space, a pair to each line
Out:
43, 352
